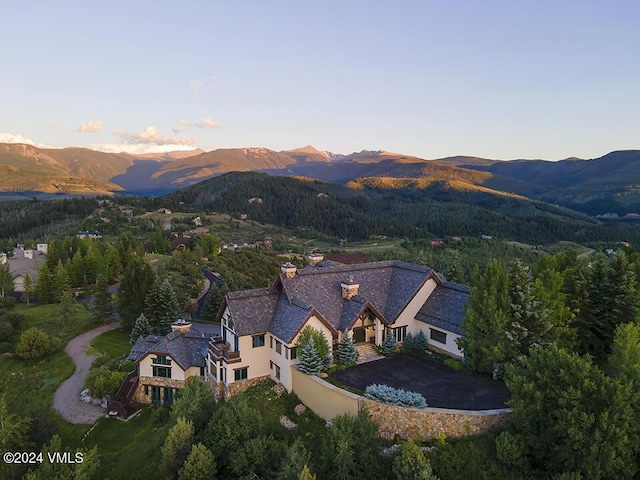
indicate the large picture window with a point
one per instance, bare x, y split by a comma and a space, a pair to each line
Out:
400, 333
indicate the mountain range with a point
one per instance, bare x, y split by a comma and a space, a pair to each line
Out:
605, 185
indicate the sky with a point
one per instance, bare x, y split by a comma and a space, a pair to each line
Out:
431, 78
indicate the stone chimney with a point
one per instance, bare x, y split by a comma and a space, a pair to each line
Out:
315, 258
349, 288
288, 269
43, 247
28, 253
181, 326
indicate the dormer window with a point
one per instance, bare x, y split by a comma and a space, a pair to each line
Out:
161, 360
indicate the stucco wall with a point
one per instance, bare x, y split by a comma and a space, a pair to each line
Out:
327, 401
451, 347
407, 317
146, 368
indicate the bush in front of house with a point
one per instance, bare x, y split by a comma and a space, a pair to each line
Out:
453, 363
310, 360
395, 396
34, 343
390, 345
104, 382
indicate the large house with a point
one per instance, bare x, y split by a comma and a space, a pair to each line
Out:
260, 328
25, 263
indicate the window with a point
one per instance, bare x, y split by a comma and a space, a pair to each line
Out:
146, 389
241, 374
294, 353
277, 371
400, 333
223, 374
257, 341
162, 372
161, 360
437, 336
279, 347
271, 342
213, 370
202, 371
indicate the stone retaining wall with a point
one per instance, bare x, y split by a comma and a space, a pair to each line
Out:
240, 386
427, 423
328, 401
139, 395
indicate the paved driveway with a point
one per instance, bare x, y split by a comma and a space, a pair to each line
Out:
440, 385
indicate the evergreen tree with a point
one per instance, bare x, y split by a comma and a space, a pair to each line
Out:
390, 345
29, 288
347, 353
103, 306
137, 281
408, 344
411, 464
529, 324
320, 342
195, 403
177, 446
66, 305
199, 465
45, 285
485, 322
295, 461
141, 328
161, 307
624, 361
306, 474
310, 361
420, 342
61, 282
6, 282
454, 271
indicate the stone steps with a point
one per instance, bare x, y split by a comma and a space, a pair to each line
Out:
367, 352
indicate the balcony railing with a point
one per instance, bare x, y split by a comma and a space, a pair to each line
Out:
221, 351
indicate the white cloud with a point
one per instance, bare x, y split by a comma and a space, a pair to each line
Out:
204, 123
150, 136
208, 123
139, 148
196, 84
6, 137
91, 126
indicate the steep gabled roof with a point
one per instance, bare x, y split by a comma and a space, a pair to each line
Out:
252, 310
186, 349
445, 307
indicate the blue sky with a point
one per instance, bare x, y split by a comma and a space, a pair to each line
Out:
496, 79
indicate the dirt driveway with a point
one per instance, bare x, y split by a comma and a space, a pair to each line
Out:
440, 385
66, 399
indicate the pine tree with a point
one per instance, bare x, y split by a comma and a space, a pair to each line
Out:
44, 285
306, 474
420, 342
103, 306
411, 464
137, 280
161, 307
6, 282
29, 287
61, 282
408, 343
390, 344
141, 328
347, 353
310, 361
66, 305
487, 315
199, 465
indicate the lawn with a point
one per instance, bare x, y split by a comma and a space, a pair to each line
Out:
130, 450
28, 385
111, 344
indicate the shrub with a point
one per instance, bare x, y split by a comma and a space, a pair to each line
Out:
394, 396
34, 343
310, 360
390, 345
320, 342
454, 364
107, 384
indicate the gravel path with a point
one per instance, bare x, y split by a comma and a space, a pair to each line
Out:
66, 400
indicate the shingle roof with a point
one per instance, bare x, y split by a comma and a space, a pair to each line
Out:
186, 349
252, 310
445, 307
289, 318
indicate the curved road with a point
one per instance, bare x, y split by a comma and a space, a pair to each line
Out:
66, 399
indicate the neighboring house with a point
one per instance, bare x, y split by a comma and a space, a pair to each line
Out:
92, 234
260, 328
164, 364
25, 263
